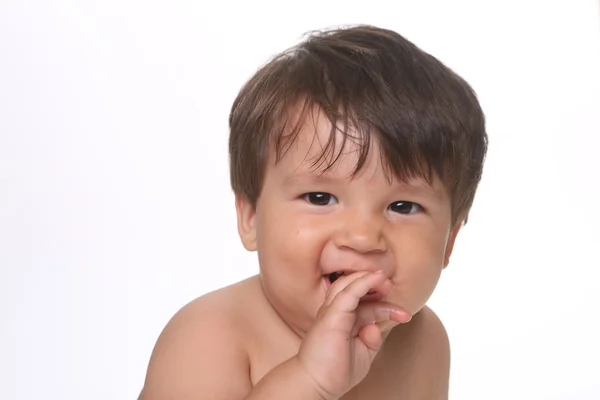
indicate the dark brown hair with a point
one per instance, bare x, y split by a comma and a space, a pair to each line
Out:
371, 83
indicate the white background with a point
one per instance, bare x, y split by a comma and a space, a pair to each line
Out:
115, 207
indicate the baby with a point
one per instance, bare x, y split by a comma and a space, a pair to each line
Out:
355, 157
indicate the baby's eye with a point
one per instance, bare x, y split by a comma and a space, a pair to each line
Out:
404, 207
320, 198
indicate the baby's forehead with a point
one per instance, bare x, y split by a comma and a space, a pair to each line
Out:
313, 163
316, 141
312, 146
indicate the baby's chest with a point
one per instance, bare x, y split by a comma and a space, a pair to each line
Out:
391, 377
376, 388
266, 356
385, 380
380, 393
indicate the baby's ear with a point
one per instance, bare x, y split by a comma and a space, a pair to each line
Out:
246, 222
450, 243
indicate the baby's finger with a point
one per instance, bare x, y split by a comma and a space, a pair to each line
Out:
347, 299
370, 335
340, 284
379, 312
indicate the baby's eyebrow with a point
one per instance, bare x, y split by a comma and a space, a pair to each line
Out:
422, 189
310, 178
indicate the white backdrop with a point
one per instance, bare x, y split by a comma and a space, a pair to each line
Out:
115, 207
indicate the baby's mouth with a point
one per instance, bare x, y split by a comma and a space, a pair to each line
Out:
334, 276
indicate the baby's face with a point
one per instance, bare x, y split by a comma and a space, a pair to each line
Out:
308, 225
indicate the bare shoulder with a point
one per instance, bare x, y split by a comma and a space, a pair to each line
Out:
201, 353
425, 334
417, 357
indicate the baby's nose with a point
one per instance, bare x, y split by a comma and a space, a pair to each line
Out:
362, 234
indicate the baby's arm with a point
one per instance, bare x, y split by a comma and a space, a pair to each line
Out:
199, 356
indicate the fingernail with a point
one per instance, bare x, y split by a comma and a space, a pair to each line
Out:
403, 315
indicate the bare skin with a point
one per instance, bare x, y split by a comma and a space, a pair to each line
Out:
232, 338
295, 333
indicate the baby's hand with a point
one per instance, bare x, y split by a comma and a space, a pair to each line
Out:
338, 350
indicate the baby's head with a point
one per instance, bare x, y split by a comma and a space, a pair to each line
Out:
353, 150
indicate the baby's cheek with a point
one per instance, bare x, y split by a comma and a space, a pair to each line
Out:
292, 247
413, 286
